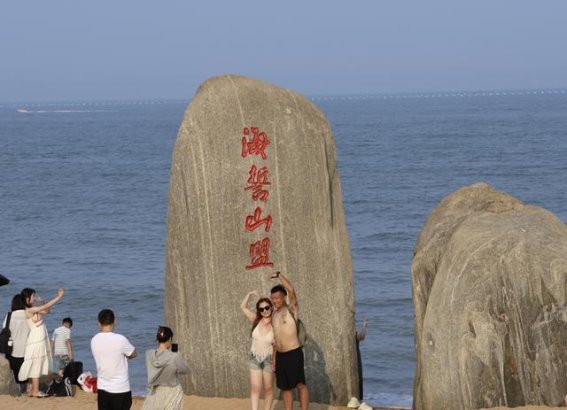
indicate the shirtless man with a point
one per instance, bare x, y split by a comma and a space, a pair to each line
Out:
290, 372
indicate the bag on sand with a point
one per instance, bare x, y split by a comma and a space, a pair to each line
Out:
6, 343
60, 388
87, 382
73, 370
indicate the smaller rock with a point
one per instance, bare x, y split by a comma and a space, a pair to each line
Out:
7, 383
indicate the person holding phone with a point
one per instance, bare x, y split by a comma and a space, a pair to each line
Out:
37, 356
164, 365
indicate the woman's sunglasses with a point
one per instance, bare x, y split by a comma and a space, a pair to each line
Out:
266, 308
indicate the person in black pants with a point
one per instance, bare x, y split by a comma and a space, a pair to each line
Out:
19, 329
111, 352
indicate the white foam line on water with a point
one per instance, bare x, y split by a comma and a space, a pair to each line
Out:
28, 105
63, 111
453, 94
460, 94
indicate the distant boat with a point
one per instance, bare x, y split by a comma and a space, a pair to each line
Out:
23, 110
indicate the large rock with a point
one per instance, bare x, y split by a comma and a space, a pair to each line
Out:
7, 383
236, 134
489, 288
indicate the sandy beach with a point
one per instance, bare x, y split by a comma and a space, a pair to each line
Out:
526, 408
87, 401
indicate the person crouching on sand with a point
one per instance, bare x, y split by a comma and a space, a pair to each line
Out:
163, 367
261, 352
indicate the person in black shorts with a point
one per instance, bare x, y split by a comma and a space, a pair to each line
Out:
289, 366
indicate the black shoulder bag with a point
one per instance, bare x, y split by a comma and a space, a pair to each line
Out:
6, 343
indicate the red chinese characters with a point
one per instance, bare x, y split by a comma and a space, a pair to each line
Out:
260, 254
254, 221
254, 144
257, 183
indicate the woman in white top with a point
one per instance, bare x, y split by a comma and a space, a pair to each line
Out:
37, 358
262, 350
20, 330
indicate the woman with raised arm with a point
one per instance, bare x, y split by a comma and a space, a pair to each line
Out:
261, 351
37, 356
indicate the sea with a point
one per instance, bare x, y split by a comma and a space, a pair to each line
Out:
83, 201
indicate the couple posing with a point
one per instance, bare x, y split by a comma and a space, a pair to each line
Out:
275, 346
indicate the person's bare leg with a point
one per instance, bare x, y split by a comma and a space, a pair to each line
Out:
268, 389
34, 386
303, 396
255, 388
287, 397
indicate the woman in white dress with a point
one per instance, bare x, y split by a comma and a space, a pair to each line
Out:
37, 356
260, 359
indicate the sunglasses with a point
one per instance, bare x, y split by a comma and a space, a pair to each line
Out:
265, 308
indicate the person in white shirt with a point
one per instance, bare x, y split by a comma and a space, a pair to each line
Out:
20, 330
61, 345
111, 352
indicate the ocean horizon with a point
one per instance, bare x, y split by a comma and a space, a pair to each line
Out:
312, 97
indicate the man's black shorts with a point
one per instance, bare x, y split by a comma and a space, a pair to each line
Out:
289, 369
114, 401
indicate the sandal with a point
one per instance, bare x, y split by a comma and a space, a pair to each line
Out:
41, 395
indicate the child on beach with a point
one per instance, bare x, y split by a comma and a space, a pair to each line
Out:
61, 345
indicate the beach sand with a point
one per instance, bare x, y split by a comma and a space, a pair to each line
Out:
87, 401
527, 408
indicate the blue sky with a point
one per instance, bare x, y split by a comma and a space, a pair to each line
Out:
139, 49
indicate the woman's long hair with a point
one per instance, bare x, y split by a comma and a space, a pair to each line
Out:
258, 314
18, 303
27, 293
